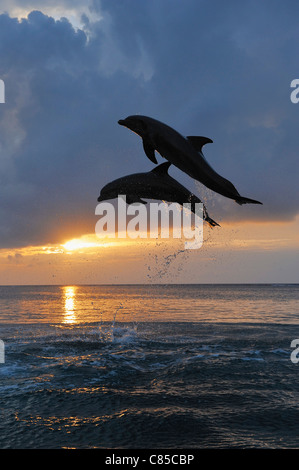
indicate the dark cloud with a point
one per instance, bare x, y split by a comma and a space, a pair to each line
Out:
221, 69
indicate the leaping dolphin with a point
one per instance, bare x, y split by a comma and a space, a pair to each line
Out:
184, 153
155, 184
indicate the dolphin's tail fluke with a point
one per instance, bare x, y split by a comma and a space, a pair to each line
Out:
245, 200
208, 219
211, 222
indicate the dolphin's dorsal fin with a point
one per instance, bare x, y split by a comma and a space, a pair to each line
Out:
198, 141
161, 169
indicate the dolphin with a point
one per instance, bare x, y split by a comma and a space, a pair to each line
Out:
155, 184
184, 153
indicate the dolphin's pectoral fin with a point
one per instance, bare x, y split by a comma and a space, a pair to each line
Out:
149, 151
134, 200
198, 142
161, 169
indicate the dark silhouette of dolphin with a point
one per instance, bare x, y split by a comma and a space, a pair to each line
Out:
184, 153
155, 184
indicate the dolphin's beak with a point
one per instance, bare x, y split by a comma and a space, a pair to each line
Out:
121, 122
100, 198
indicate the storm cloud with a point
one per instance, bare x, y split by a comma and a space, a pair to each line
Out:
217, 69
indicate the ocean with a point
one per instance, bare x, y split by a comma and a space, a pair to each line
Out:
149, 367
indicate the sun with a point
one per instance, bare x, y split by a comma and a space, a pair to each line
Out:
91, 241
84, 242
77, 244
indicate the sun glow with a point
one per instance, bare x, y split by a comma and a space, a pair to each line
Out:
79, 244
85, 242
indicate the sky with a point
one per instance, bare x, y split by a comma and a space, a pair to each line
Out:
72, 69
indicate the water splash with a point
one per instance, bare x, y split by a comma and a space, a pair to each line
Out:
112, 333
163, 265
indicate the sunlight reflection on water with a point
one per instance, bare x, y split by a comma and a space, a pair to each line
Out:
69, 304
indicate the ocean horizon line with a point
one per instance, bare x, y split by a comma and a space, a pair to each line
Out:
157, 284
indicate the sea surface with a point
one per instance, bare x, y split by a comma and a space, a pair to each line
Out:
149, 367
